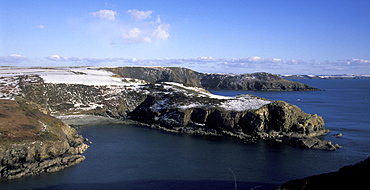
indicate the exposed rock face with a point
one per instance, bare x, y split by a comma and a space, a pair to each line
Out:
349, 177
33, 142
256, 81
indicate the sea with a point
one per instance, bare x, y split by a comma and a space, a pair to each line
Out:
136, 157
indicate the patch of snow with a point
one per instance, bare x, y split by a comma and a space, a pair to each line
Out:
91, 80
69, 75
9, 87
243, 103
200, 91
193, 105
43, 129
159, 105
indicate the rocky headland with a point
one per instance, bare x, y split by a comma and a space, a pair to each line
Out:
33, 142
177, 106
255, 81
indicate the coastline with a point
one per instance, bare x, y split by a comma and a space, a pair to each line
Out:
86, 120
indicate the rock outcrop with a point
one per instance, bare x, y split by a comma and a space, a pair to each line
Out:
256, 119
32, 142
349, 177
255, 81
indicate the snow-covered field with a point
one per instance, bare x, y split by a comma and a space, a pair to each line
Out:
67, 75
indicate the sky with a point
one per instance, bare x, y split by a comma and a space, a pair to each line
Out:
224, 36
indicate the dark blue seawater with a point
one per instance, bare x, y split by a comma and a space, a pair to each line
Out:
133, 157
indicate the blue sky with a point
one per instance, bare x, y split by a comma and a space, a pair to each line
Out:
232, 36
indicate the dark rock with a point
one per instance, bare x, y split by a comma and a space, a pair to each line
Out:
312, 142
349, 177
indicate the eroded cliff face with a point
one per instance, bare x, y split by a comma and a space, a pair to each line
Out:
255, 81
32, 142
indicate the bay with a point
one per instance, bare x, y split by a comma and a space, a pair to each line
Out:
134, 157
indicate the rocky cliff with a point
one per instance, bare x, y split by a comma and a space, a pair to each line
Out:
33, 142
255, 81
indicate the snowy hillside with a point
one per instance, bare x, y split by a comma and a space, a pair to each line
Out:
92, 76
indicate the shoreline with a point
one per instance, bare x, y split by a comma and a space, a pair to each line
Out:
86, 120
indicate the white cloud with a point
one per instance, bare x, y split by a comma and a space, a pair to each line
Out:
161, 32
139, 15
41, 26
333, 68
59, 58
54, 58
135, 35
105, 14
353, 62
132, 34
157, 21
13, 59
146, 35
135, 30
